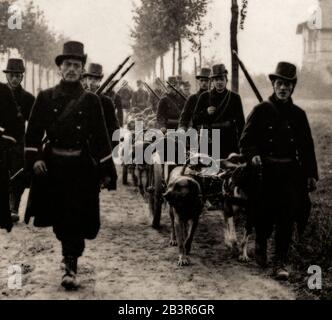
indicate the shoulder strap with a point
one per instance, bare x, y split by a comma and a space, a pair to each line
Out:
68, 110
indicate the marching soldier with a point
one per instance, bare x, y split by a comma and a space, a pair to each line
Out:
140, 98
117, 101
186, 89
67, 147
153, 100
24, 101
220, 109
10, 132
93, 77
277, 138
126, 94
189, 108
169, 108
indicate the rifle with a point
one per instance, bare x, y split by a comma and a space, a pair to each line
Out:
151, 90
177, 91
123, 85
248, 77
111, 77
111, 87
162, 85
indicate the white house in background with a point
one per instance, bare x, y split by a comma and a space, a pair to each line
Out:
317, 40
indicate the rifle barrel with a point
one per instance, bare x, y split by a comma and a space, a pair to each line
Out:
151, 90
177, 91
112, 76
122, 75
248, 77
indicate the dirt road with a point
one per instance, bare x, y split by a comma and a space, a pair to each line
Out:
130, 260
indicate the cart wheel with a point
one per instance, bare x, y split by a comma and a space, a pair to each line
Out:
125, 175
155, 193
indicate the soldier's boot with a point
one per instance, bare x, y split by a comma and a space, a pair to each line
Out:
69, 281
261, 252
280, 271
15, 217
14, 200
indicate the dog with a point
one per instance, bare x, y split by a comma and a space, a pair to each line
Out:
186, 204
187, 193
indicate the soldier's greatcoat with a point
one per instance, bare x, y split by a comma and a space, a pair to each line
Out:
10, 125
140, 99
169, 111
111, 119
67, 197
188, 110
24, 102
229, 118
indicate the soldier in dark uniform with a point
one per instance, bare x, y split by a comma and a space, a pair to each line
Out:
126, 94
153, 100
169, 108
117, 101
24, 101
277, 138
71, 163
186, 88
93, 76
10, 132
221, 109
140, 98
189, 108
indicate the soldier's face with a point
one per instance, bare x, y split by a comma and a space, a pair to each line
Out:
220, 83
71, 70
14, 79
93, 83
204, 84
283, 89
186, 90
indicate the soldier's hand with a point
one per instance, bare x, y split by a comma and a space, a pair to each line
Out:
312, 184
108, 183
39, 167
257, 161
211, 110
163, 130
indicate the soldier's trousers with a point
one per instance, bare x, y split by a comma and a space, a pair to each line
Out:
72, 246
280, 204
15, 196
16, 162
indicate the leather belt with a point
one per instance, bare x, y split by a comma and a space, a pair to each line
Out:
66, 152
280, 160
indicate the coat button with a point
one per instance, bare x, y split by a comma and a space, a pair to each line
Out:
80, 112
292, 140
55, 110
270, 127
271, 140
78, 127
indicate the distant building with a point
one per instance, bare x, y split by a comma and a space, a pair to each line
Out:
317, 40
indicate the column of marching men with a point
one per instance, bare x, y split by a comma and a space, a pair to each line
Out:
60, 146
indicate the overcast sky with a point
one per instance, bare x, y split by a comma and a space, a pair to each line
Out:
104, 27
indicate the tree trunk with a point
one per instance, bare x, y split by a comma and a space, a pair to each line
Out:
162, 70
53, 77
200, 53
48, 78
234, 46
180, 58
25, 74
195, 70
33, 79
40, 75
173, 66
